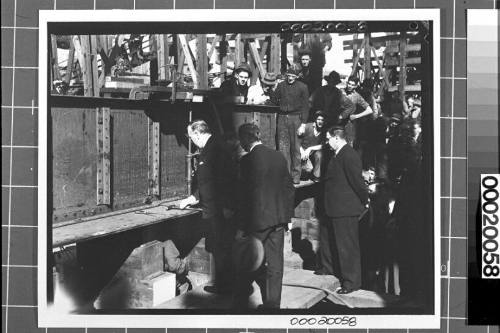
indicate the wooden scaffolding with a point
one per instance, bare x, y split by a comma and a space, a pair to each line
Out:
392, 59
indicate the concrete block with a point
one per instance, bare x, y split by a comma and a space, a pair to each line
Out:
161, 287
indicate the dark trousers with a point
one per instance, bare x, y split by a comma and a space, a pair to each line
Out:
289, 143
269, 276
327, 252
344, 233
315, 158
218, 241
312, 166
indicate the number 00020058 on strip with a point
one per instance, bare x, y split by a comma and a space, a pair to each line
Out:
490, 252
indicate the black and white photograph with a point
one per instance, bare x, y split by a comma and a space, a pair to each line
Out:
239, 167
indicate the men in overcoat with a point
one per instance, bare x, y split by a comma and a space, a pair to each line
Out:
346, 198
214, 191
265, 208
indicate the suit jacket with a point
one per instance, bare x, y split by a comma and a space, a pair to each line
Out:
346, 193
266, 190
215, 178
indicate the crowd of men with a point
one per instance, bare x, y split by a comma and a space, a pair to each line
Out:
364, 152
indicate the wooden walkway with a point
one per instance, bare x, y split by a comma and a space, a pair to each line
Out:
301, 290
292, 297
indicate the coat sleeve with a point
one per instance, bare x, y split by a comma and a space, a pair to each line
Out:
353, 169
304, 103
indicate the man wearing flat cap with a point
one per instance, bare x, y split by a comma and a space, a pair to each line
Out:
292, 96
332, 101
263, 94
235, 90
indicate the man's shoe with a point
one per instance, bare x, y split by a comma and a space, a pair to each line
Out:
344, 291
215, 290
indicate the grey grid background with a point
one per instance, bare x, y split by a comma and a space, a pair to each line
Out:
19, 33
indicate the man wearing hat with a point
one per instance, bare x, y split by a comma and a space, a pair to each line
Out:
214, 192
292, 96
235, 90
265, 208
263, 93
332, 101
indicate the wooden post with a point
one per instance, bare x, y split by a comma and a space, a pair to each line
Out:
189, 60
368, 61
263, 50
102, 43
54, 61
256, 58
283, 55
95, 69
238, 51
86, 65
180, 55
355, 54
380, 67
355, 61
223, 60
215, 40
274, 61
402, 65
202, 61
163, 50
69, 66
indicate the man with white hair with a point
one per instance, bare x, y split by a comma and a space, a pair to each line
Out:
214, 191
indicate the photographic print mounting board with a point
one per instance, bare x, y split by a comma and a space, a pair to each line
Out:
48, 318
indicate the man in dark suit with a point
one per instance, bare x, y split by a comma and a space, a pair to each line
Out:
346, 198
214, 191
265, 208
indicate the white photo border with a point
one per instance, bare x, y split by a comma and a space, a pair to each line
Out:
47, 318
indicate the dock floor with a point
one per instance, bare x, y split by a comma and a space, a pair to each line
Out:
302, 289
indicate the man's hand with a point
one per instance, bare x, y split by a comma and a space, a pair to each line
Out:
189, 201
301, 130
304, 154
353, 117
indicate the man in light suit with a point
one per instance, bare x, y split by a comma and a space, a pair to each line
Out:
346, 198
265, 208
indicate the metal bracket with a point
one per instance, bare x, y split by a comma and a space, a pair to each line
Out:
103, 156
154, 158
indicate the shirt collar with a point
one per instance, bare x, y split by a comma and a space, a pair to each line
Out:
340, 148
256, 143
